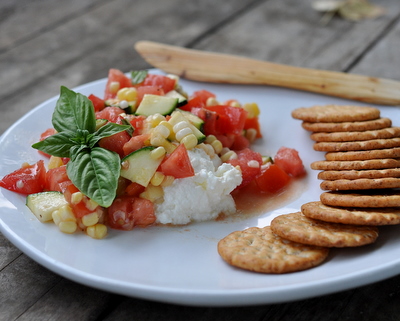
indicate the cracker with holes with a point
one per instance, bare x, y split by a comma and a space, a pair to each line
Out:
260, 250
297, 227
368, 198
358, 174
363, 154
347, 126
360, 184
336, 113
352, 215
390, 132
355, 165
357, 145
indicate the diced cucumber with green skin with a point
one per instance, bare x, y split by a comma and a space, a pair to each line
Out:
139, 166
45, 203
100, 123
154, 104
182, 100
178, 116
196, 121
130, 109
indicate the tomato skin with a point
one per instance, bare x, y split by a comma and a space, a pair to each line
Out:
194, 102
134, 189
115, 75
126, 212
273, 179
165, 83
249, 173
203, 95
112, 114
26, 180
230, 120
98, 103
289, 160
137, 123
178, 164
57, 179
135, 143
115, 142
47, 133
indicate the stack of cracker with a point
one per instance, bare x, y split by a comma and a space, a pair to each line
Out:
361, 174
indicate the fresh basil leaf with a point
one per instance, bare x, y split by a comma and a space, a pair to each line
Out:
73, 111
95, 173
138, 76
107, 130
57, 145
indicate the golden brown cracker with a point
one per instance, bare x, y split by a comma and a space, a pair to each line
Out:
335, 113
367, 198
347, 126
384, 133
357, 174
364, 154
351, 215
297, 227
360, 184
357, 145
355, 165
260, 250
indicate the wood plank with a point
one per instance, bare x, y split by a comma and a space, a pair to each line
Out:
8, 252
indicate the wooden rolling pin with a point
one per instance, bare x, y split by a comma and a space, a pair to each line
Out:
222, 68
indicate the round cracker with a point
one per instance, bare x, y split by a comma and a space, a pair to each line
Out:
347, 126
360, 184
384, 133
355, 165
336, 113
297, 227
351, 215
357, 174
367, 198
260, 250
357, 145
364, 154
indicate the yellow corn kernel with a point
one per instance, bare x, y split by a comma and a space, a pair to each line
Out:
166, 124
63, 214
183, 133
234, 103
152, 193
157, 140
158, 153
76, 197
68, 227
217, 145
157, 179
114, 87
97, 231
55, 162
167, 181
90, 219
224, 150
179, 126
252, 110
228, 156
251, 134
90, 204
155, 119
210, 139
190, 141
127, 93
211, 101
253, 163
162, 130
25, 164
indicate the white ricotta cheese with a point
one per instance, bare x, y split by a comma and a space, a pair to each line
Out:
201, 197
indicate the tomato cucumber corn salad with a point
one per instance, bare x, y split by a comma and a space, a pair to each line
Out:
146, 153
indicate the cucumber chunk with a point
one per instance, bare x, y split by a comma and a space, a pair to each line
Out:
154, 104
45, 203
196, 121
139, 166
182, 100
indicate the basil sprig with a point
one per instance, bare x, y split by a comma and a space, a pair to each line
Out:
138, 76
92, 169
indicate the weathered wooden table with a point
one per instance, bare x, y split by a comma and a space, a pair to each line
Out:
48, 43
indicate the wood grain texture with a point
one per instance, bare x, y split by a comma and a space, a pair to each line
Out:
78, 41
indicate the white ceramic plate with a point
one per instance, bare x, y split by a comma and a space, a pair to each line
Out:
181, 264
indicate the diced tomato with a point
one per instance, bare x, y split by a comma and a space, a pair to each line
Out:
80, 208
289, 160
148, 90
178, 164
253, 123
126, 212
160, 81
27, 179
97, 102
250, 165
47, 133
203, 95
137, 123
115, 142
230, 120
240, 142
226, 140
134, 189
195, 102
57, 179
112, 114
273, 179
135, 143
115, 75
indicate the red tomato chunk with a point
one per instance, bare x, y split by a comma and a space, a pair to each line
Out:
273, 179
178, 164
249, 162
289, 160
